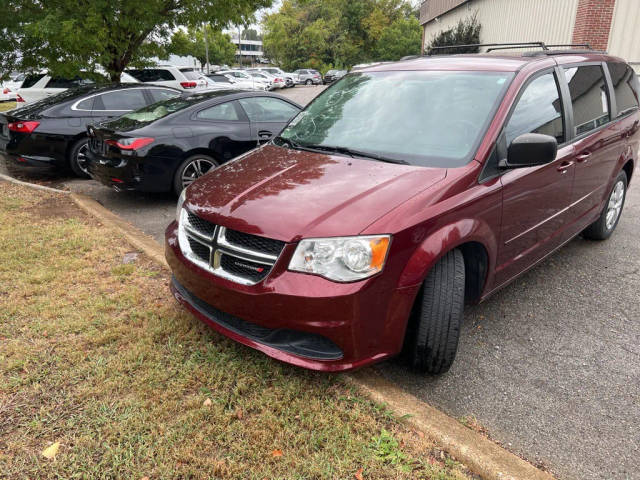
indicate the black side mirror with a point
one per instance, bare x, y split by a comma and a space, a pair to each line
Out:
530, 150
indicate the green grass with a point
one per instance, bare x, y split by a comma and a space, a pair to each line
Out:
97, 356
4, 106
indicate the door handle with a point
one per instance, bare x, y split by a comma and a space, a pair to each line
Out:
583, 156
265, 134
564, 166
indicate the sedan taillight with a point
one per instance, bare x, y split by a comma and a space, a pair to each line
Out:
130, 143
5, 91
23, 127
19, 99
188, 84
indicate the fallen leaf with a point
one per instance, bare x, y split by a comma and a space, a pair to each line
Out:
276, 453
239, 414
420, 433
207, 403
359, 474
144, 478
51, 450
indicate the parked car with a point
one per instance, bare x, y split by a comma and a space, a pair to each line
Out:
275, 82
365, 225
183, 78
166, 146
6, 93
244, 80
333, 75
37, 86
308, 76
225, 84
51, 134
290, 79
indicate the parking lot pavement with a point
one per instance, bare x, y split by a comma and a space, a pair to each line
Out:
549, 365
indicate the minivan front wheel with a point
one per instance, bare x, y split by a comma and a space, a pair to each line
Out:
437, 316
78, 158
602, 228
191, 169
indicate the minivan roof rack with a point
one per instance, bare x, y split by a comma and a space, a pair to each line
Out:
544, 48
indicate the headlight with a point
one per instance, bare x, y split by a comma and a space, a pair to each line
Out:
179, 206
343, 259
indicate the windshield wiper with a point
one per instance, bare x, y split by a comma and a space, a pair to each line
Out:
351, 152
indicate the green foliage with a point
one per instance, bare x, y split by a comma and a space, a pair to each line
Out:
251, 34
466, 32
387, 449
67, 36
192, 42
326, 34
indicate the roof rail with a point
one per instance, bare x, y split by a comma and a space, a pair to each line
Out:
545, 49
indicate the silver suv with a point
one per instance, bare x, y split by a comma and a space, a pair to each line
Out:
308, 76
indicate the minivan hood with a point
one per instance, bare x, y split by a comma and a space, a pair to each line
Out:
289, 194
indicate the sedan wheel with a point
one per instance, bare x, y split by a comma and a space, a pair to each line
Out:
308, 82
78, 158
191, 169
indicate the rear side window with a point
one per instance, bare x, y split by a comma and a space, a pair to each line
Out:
539, 110
123, 100
59, 82
86, 105
225, 112
159, 94
31, 80
588, 97
219, 78
190, 74
268, 109
625, 84
152, 75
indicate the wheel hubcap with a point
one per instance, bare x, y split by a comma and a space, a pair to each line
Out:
195, 169
81, 158
615, 205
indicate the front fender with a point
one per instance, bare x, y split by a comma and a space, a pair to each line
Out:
444, 239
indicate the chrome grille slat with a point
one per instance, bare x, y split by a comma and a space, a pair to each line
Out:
231, 260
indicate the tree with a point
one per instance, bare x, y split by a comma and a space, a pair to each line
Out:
251, 34
466, 32
67, 36
192, 42
401, 38
333, 33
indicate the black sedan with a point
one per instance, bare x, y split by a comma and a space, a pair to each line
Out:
166, 146
51, 134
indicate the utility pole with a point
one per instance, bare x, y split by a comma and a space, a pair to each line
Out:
206, 46
240, 43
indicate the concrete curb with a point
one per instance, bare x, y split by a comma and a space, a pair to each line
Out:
134, 236
31, 185
476, 452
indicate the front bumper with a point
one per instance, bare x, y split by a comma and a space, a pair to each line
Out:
327, 326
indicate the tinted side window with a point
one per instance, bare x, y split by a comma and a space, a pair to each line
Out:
624, 86
160, 94
59, 82
223, 112
539, 110
86, 105
122, 100
151, 75
268, 109
588, 97
31, 80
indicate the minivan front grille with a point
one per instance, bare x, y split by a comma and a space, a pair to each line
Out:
236, 256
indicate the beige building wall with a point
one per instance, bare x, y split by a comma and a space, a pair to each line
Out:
624, 37
549, 21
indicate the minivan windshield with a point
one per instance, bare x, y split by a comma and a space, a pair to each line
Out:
424, 118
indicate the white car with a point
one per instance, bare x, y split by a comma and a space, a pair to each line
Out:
290, 79
184, 78
6, 93
243, 80
275, 81
218, 85
37, 86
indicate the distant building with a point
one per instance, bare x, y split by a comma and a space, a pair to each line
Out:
248, 51
612, 25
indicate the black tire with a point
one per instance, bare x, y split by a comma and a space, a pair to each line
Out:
437, 316
602, 228
178, 184
77, 159
308, 82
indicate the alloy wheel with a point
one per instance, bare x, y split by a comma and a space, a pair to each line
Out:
195, 169
81, 158
615, 205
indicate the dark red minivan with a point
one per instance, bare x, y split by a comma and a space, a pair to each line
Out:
401, 192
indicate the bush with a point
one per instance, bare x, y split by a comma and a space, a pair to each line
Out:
466, 32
